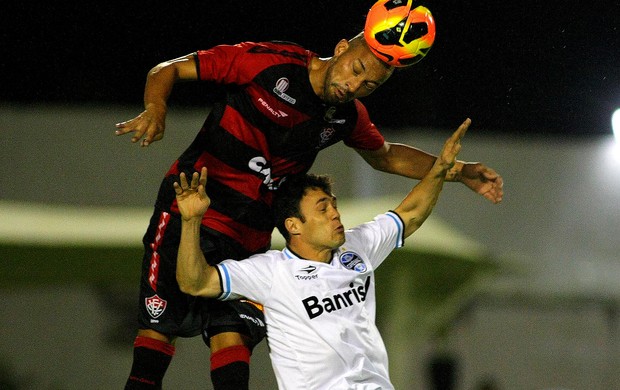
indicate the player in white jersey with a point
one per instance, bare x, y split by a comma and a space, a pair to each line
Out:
318, 293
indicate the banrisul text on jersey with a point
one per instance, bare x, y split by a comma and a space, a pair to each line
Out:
356, 294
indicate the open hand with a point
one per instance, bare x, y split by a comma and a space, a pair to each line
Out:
192, 199
452, 146
477, 176
150, 124
483, 180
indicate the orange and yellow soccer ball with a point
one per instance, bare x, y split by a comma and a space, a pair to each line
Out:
399, 32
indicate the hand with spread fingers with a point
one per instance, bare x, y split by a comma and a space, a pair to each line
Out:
192, 199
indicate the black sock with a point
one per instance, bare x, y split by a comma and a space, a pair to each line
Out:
233, 376
151, 359
230, 368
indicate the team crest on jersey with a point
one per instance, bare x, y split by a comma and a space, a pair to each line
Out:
326, 135
281, 87
329, 116
155, 305
352, 261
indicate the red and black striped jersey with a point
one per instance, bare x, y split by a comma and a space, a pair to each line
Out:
269, 124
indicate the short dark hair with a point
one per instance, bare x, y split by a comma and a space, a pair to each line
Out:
360, 40
289, 194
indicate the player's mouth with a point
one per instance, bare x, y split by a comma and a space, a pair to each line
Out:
340, 95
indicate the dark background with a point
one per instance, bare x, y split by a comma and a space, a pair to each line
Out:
518, 67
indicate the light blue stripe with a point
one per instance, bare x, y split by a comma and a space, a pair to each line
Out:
399, 224
226, 284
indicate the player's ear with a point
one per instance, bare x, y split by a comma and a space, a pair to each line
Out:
292, 225
341, 47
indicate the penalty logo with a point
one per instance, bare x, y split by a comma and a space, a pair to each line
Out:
155, 305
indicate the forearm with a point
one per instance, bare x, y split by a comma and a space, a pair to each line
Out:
419, 203
159, 84
194, 275
407, 161
161, 79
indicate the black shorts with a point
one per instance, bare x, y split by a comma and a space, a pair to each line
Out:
165, 309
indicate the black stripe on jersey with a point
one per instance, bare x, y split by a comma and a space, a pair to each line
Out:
281, 52
197, 62
300, 141
246, 211
222, 145
225, 200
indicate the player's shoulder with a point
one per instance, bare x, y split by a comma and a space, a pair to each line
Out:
383, 221
270, 255
282, 49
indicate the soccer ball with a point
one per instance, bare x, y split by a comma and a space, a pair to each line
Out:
399, 32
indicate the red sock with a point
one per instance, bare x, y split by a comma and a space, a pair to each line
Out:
225, 356
157, 345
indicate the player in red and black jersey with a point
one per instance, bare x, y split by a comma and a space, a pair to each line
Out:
283, 104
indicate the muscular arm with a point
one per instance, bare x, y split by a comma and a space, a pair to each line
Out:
194, 275
151, 123
418, 204
399, 159
405, 160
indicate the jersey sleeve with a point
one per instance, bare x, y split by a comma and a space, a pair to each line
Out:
250, 278
221, 64
365, 136
240, 63
379, 237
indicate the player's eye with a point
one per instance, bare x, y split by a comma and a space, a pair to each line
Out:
370, 86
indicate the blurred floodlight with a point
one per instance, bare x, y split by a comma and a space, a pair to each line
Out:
615, 125
615, 146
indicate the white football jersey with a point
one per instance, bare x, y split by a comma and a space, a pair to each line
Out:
321, 316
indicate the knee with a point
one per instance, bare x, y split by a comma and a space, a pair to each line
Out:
227, 339
153, 334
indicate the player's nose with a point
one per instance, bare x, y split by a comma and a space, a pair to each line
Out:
353, 86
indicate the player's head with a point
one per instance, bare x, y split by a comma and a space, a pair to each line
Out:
305, 207
353, 72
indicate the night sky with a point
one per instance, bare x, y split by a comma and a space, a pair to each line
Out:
517, 67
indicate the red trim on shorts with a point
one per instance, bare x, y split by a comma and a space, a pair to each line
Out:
159, 236
157, 345
226, 356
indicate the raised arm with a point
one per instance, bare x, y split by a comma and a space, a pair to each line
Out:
194, 275
419, 203
410, 162
151, 123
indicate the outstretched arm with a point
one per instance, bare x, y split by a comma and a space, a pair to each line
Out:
419, 203
410, 162
151, 123
194, 275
